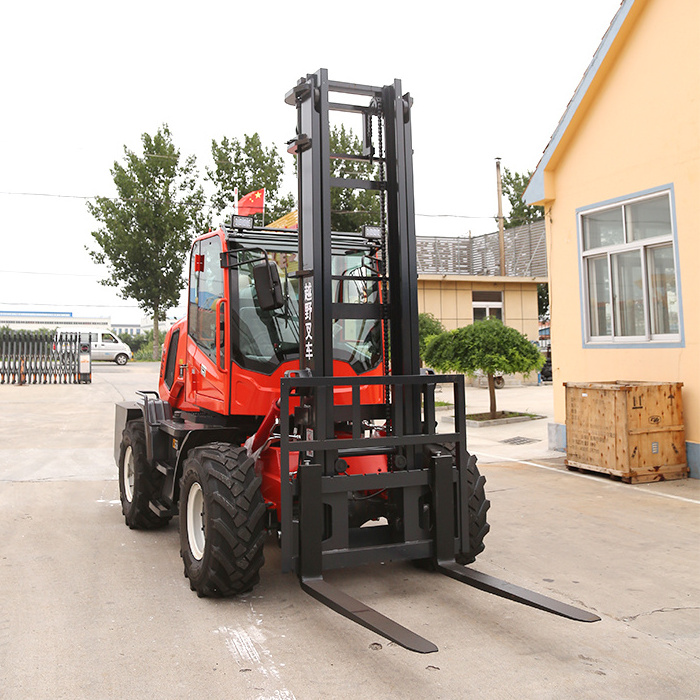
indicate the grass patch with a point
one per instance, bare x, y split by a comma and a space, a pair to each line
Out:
500, 414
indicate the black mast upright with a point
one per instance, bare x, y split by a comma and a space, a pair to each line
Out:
312, 146
428, 482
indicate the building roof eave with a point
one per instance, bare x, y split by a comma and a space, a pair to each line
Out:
536, 192
499, 279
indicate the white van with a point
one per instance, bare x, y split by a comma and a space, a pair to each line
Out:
105, 344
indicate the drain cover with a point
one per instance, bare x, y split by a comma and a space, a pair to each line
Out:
519, 440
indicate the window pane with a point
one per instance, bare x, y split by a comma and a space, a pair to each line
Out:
663, 296
628, 294
603, 228
649, 218
170, 363
206, 288
479, 313
496, 312
263, 336
599, 297
486, 296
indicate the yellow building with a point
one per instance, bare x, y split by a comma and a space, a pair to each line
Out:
620, 183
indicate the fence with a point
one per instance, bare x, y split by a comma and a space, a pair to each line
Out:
38, 358
525, 253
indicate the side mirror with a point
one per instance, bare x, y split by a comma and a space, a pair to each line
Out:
267, 285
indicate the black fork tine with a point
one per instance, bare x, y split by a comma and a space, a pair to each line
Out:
358, 612
490, 584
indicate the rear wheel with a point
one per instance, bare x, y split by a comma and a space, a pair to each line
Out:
139, 482
222, 520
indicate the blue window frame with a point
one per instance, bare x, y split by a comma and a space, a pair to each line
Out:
630, 285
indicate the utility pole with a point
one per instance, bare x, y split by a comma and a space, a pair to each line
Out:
501, 238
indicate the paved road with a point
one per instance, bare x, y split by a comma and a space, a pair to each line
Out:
91, 609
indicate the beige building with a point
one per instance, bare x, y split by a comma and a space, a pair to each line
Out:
459, 300
460, 280
620, 183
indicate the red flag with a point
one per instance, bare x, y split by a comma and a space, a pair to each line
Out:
252, 203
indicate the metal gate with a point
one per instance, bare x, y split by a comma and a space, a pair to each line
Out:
44, 358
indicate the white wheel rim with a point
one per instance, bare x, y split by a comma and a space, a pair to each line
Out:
195, 521
128, 476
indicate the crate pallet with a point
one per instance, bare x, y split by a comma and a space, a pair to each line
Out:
630, 430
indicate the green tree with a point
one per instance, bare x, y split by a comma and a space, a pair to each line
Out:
147, 228
489, 346
351, 209
514, 185
135, 342
428, 326
144, 353
543, 301
249, 166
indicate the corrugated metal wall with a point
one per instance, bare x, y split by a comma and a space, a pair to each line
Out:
525, 251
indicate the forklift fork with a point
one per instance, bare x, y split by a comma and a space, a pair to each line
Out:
494, 585
310, 564
362, 614
358, 612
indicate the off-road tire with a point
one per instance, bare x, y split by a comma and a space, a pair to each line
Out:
222, 520
478, 507
139, 482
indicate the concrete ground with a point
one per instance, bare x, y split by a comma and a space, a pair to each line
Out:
91, 609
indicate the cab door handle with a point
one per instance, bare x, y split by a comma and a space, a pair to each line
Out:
221, 336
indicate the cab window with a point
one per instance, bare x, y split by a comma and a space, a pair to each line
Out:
262, 339
206, 288
171, 360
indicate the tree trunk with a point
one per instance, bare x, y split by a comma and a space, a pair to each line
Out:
156, 336
492, 396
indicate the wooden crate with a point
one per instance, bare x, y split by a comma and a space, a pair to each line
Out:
633, 430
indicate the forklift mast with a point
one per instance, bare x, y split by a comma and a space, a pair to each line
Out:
395, 268
430, 481
393, 156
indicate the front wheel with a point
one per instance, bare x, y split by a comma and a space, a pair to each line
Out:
222, 520
477, 508
121, 359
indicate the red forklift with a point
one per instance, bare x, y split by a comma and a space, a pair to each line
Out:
291, 399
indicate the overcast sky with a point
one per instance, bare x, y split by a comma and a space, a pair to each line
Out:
489, 78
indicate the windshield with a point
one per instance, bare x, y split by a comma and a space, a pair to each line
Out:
261, 340
356, 340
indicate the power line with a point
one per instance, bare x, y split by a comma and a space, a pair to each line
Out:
55, 274
94, 196
47, 194
455, 216
209, 206
63, 306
